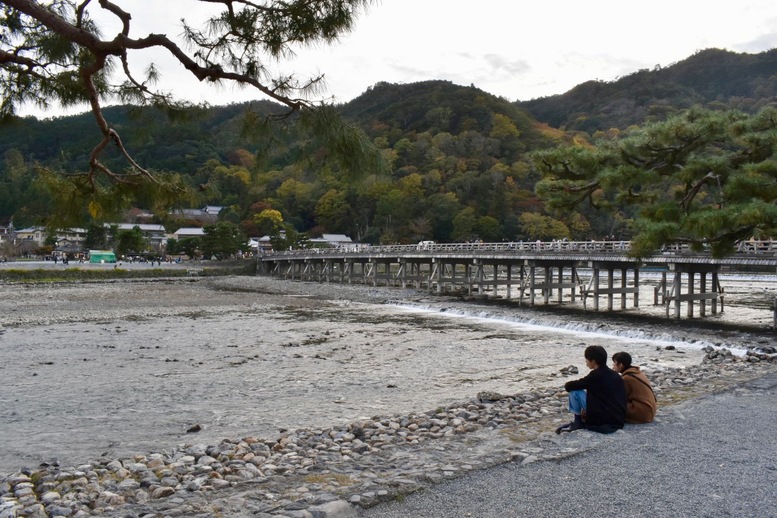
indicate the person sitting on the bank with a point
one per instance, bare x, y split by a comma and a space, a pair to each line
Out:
598, 401
641, 401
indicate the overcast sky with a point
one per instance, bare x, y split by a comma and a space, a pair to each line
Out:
517, 50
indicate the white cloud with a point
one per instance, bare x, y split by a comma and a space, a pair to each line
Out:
513, 49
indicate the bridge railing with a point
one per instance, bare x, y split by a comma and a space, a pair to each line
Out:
758, 247
513, 246
764, 247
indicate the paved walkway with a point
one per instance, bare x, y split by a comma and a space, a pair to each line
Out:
710, 457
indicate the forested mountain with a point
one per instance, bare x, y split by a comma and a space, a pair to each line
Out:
177, 145
458, 156
712, 78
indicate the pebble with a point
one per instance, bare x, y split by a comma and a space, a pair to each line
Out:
328, 473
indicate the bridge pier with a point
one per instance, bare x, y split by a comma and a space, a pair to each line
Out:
293, 270
509, 274
402, 273
380, 270
676, 295
480, 275
595, 290
443, 275
361, 275
548, 284
411, 272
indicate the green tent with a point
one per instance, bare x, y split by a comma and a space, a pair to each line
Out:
101, 256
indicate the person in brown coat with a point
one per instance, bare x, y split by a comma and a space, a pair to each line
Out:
641, 401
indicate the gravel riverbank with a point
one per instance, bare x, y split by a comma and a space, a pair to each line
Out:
714, 455
251, 397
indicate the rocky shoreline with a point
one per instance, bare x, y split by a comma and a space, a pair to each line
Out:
327, 473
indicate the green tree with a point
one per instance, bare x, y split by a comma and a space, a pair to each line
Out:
503, 128
231, 183
704, 178
508, 134
288, 238
130, 242
464, 224
333, 210
579, 227
442, 209
393, 211
96, 237
538, 226
488, 230
222, 240
269, 221
173, 246
190, 246
296, 198
14, 183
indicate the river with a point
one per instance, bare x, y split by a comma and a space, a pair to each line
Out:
118, 368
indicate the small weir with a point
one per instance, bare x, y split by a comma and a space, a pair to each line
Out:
576, 328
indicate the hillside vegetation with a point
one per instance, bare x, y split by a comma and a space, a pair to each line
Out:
459, 158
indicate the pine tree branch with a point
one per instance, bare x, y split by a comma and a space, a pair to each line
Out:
685, 203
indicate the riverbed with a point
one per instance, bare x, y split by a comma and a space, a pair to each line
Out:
117, 368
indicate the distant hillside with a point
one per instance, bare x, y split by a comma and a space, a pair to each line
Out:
176, 144
457, 155
400, 110
431, 105
711, 77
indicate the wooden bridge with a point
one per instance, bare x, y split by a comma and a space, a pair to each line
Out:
529, 270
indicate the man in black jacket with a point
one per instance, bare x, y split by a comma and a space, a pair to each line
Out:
598, 401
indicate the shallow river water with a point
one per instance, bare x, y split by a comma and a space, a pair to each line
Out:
128, 367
